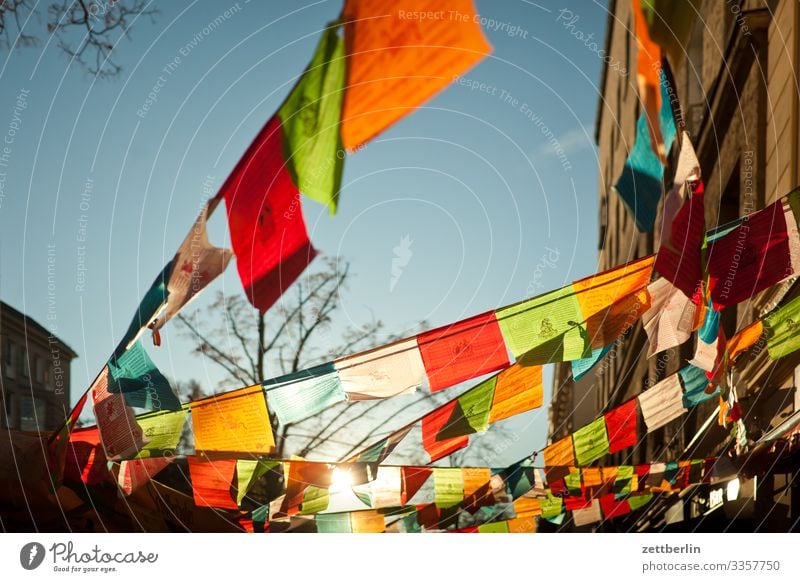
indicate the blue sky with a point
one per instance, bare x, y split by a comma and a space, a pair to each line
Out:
108, 190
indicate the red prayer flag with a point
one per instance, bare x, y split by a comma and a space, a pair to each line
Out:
462, 351
612, 508
679, 258
212, 481
621, 426
753, 256
85, 459
431, 425
268, 233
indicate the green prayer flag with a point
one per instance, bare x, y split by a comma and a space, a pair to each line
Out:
310, 118
471, 413
315, 499
546, 328
249, 471
591, 442
573, 483
551, 506
497, 527
448, 486
622, 484
305, 394
638, 501
333, 523
782, 330
161, 433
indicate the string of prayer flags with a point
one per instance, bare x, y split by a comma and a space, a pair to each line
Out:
195, 265
265, 219
762, 250
621, 425
134, 375
781, 330
591, 442
387, 371
662, 403
463, 350
212, 482
310, 118
395, 63
641, 183
567, 323
304, 393
234, 422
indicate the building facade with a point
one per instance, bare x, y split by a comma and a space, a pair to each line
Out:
34, 374
738, 90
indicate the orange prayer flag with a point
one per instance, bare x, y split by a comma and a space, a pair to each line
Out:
648, 70
613, 301
519, 388
527, 507
212, 482
367, 522
522, 525
233, 422
744, 339
558, 458
592, 476
474, 479
397, 60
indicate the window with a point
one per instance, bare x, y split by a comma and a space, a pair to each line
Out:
26, 371
40, 370
9, 410
31, 414
8, 358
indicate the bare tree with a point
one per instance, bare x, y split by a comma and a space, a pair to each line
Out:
298, 333
86, 30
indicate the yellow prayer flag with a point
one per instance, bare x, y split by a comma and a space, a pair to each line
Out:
519, 388
233, 422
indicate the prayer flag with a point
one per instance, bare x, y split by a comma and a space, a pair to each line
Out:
136, 473
134, 375
517, 390
558, 458
233, 422
670, 319
310, 119
396, 63
383, 372
462, 351
591, 442
413, 478
781, 328
432, 424
212, 482
662, 403
582, 366
696, 386
265, 220
448, 486
161, 433
195, 265
305, 393
588, 515
120, 434
669, 24
744, 339
621, 425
